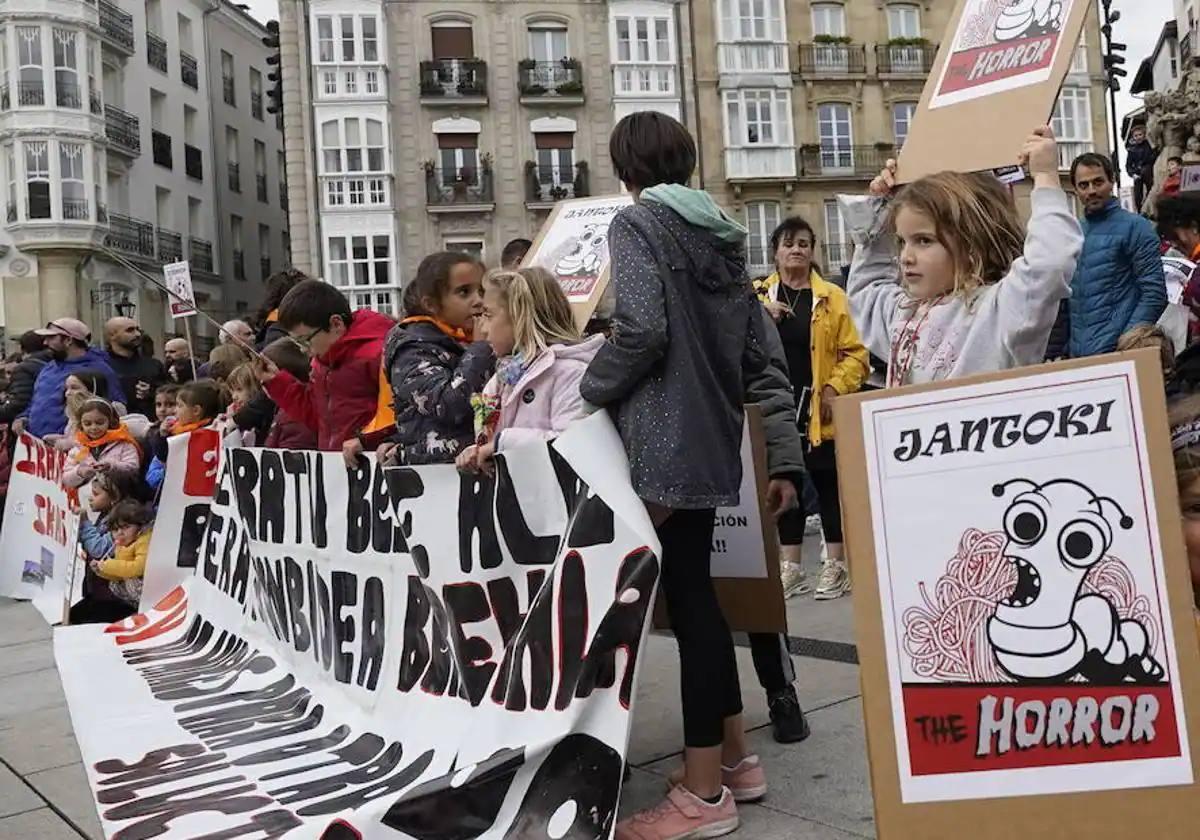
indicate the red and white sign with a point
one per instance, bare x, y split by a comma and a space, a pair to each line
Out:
178, 278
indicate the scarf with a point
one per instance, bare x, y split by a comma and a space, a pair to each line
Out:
457, 333
94, 446
697, 208
184, 428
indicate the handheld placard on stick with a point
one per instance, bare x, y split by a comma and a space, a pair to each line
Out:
145, 275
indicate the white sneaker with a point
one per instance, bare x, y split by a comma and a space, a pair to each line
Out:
834, 581
794, 580
812, 525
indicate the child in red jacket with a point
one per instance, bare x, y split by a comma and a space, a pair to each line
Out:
342, 402
287, 432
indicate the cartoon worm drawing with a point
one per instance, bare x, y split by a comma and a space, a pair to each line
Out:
587, 254
1028, 18
1047, 630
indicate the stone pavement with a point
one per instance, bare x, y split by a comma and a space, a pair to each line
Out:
819, 789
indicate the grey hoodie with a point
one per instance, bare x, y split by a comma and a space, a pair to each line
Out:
689, 347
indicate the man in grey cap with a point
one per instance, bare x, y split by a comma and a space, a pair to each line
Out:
67, 340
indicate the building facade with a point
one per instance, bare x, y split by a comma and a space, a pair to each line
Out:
107, 146
457, 125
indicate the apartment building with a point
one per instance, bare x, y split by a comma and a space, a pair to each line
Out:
107, 144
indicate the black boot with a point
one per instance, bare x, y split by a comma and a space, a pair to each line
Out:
787, 718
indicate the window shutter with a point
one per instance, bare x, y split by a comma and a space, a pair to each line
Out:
458, 141
554, 140
453, 42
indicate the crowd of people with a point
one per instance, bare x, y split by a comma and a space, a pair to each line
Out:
946, 281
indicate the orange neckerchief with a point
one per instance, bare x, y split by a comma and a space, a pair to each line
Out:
1195, 253
184, 428
272, 316
117, 435
457, 333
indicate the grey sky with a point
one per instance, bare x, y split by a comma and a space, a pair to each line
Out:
265, 10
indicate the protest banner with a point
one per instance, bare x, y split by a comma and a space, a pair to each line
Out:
40, 534
1023, 604
183, 509
999, 65
178, 279
381, 653
573, 246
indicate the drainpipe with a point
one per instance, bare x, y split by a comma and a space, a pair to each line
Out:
695, 87
219, 214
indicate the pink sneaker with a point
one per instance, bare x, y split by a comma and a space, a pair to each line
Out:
681, 816
746, 781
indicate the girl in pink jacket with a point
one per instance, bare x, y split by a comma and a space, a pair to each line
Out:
101, 443
534, 394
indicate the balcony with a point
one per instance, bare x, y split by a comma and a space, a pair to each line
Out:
31, 94
256, 104
260, 188
75, 209
66, 95
837, 254
235, 177
545, 186
852, 162
122, 130
832, 60
643, 80
193, 162
95, 103
905, 59
117, 27
454, 81
550, 82
156, 52
200, 254
1068, 150
161, 145
753, 57
754, 163
130, 236
170, 246
457, 190
264, 268
1185, 48
239, 264
188, 71
228, 90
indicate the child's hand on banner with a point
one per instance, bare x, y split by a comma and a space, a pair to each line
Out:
885, 182
1039, 155
352, 450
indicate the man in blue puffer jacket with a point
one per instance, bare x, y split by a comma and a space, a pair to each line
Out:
68, 340
1118, 281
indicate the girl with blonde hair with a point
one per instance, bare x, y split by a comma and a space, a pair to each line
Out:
971, 290
534, 394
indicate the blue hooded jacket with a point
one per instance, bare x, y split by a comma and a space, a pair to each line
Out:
47, 411
1118, 282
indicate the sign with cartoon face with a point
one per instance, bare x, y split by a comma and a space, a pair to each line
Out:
1001, 46
573, 246
1023, 604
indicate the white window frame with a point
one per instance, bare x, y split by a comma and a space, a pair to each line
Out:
829, 19
762, 24
68, 71
652, 44
547, 31
762, 217
73, 180
38, 175
1079, 104
839, 154
909, 111
347, 39
343, 270
373, 41
345, 151
745, 103
31, 55
453, 243
901, 17
837, 235
325, 45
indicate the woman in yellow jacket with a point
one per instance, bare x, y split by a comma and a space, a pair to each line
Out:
130, 524
826, 358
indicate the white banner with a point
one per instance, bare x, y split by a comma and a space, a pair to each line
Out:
40, 534
381, 653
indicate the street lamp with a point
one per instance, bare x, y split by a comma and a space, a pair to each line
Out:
119, 298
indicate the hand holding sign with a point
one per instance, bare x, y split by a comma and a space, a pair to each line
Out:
883, 184
1039, 155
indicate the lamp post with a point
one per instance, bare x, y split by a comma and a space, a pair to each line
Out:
1112, 73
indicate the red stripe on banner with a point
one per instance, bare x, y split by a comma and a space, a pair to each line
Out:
972, 68
203, 450
167, 614
1036, 726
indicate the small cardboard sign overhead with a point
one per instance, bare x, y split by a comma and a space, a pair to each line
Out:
1000, 65
178, 277
573, 246
1023, 604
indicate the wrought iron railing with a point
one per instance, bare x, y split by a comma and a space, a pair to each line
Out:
228, 90
465, 185
256, 104
454, 78
832, 59
122, 130
75, 209
260, 183
235, 177
239, 265
914, 59
188, 71
156, 52
130, 236
200, 253
170, 245
844, 161
117, 26
31, 93
550, 78
66, 95
543, 184
161, 145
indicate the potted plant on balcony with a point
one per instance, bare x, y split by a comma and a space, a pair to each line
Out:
831, 39
570, 64
531, 88
907, 42
526, 64
573, 87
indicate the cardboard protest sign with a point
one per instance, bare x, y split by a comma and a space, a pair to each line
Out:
385, 652
999, 65
573, 246
40, 533
1189, 178
1023, 604
183, 510
177, 277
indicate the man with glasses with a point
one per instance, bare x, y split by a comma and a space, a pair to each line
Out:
140, 375
67, 340
344, 401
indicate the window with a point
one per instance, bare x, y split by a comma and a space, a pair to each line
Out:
555, 158
31, 90
458, 155
751, 20
1079, 57
235, 242
10, 171
452, 39
372, 81
4, 57
758, 118
351, 81
360, 260
227, 79
264, 251
73, 183
904, 21
1072, 120
325, 39
256, 94
548, 42
329, 80
37, 179
473, 247
352, 145
93, 63
837, 239
370, 38
829, 19
347, 38
833, 129
66, 68
1172, 55
762, 217
902, 115
260, 170
644, 40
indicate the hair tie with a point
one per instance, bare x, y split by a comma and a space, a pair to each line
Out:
1185, 435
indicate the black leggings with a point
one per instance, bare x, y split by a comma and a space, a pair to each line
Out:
772, 661
707, 668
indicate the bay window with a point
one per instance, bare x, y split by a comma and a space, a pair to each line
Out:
762, 217
758, 118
